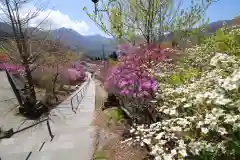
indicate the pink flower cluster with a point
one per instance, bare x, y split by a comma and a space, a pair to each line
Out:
10, 67
79, 68
72, 75
130, 77
67, 76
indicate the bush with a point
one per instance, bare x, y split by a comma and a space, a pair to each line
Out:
130, 76
226, 40
199, 106
131, 80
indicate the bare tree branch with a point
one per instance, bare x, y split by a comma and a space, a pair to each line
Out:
19, 23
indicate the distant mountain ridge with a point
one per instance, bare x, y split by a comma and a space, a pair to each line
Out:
211, 28
92, 45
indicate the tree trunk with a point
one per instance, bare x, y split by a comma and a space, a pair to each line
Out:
30, 81
148, 39
54, 86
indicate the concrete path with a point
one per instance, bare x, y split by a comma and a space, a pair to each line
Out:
73, 134
8, 119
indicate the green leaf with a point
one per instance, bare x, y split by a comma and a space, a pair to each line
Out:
175, 79
85, 8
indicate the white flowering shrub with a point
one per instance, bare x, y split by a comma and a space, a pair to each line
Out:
199, 105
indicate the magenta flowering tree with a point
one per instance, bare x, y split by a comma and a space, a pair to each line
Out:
131, 79
71, 76
78, 65
11, 67
80, 68
67, 76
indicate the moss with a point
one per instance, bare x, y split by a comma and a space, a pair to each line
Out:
100, 155
114, 114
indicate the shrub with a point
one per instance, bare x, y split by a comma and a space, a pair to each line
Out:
226, 40
131, 80
200, 114
130, 76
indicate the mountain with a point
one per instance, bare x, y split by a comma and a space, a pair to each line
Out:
91, 45
210, 29
214, 26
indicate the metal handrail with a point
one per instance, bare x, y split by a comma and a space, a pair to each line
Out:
79, 96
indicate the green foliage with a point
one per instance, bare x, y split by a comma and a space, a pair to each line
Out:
100, 155
183, 76
115, 115
175, 79
235, 145
205, 155
116, 22
189, 73
124, 19
225, 40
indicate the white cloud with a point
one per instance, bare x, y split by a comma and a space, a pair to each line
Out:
55, 20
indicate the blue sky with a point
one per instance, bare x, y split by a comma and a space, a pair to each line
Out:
74, 9
223, 10
69, 14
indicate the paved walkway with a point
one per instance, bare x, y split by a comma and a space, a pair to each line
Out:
73, 134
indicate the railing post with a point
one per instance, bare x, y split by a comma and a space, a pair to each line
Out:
81, 92
77, 99
72, 106
49, 130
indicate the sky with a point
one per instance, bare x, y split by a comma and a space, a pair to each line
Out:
70, 14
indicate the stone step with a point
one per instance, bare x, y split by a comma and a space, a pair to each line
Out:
63, 139
15, 145
14, 156
78, 132
63, 129
73, 144
78, 153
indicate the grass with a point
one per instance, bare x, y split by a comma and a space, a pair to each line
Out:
100, 155
115, 115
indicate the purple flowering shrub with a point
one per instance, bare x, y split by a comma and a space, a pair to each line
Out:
131, 77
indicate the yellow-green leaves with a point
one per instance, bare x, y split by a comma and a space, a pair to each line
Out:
116, 22
175, 79
183, 76
226, 40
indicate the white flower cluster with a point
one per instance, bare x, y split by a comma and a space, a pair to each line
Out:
195, 111
223, 58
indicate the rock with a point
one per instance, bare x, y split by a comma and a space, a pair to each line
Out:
9, 133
